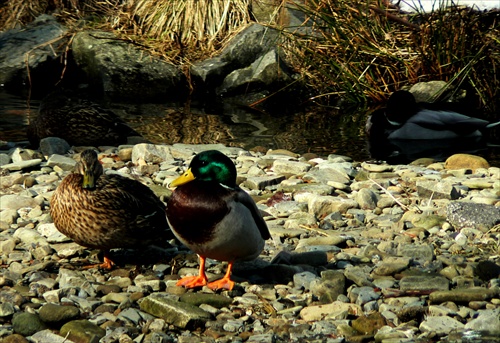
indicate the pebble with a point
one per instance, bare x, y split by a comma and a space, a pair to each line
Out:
360, 252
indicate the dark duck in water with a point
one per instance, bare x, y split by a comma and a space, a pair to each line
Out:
406, 130
107, 211
214, 217
404, 118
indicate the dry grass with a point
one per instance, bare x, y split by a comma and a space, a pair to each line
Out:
364, 50
356, 50
180, 30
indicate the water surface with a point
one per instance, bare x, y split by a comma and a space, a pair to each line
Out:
318, 130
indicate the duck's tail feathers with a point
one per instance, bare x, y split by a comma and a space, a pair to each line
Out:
489, 126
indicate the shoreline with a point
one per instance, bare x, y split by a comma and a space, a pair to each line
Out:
359, 252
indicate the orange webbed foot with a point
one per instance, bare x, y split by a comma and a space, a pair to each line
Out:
193, 281
107, 263
224, 283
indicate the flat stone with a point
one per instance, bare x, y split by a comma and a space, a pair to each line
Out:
151, 153
487, 321
215, 300
261, 182
377, 168
22, 165
467, 214
63, 162
424, 283
15, 202
463, 295
437, 190
336, 310
420, 253
440, 325
325, 175
290, 167
321, 206
46, 336
180, 314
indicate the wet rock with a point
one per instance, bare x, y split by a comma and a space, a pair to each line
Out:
82, 331
268, 71
57, 314
119, 69
44, 60
27, 324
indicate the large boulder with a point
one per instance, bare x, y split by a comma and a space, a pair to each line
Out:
122, 72
250, 63
32, 56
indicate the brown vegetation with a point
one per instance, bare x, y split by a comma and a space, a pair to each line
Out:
356, 50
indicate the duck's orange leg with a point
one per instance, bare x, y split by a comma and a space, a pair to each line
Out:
106, 264
225, 282
195, 281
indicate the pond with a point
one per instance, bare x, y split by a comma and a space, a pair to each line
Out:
318, 130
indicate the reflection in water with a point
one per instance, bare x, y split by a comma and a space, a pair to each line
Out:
319, 131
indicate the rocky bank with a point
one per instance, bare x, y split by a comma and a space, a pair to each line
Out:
360, 252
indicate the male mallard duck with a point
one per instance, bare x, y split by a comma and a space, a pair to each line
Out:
404, 118
214, 217
107, 211
78, 121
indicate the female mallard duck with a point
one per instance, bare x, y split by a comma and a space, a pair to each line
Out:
107, 211
78, 121
214, 217
404, 118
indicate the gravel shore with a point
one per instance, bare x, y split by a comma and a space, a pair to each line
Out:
360, 252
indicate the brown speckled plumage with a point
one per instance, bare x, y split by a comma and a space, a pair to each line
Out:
114, 212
